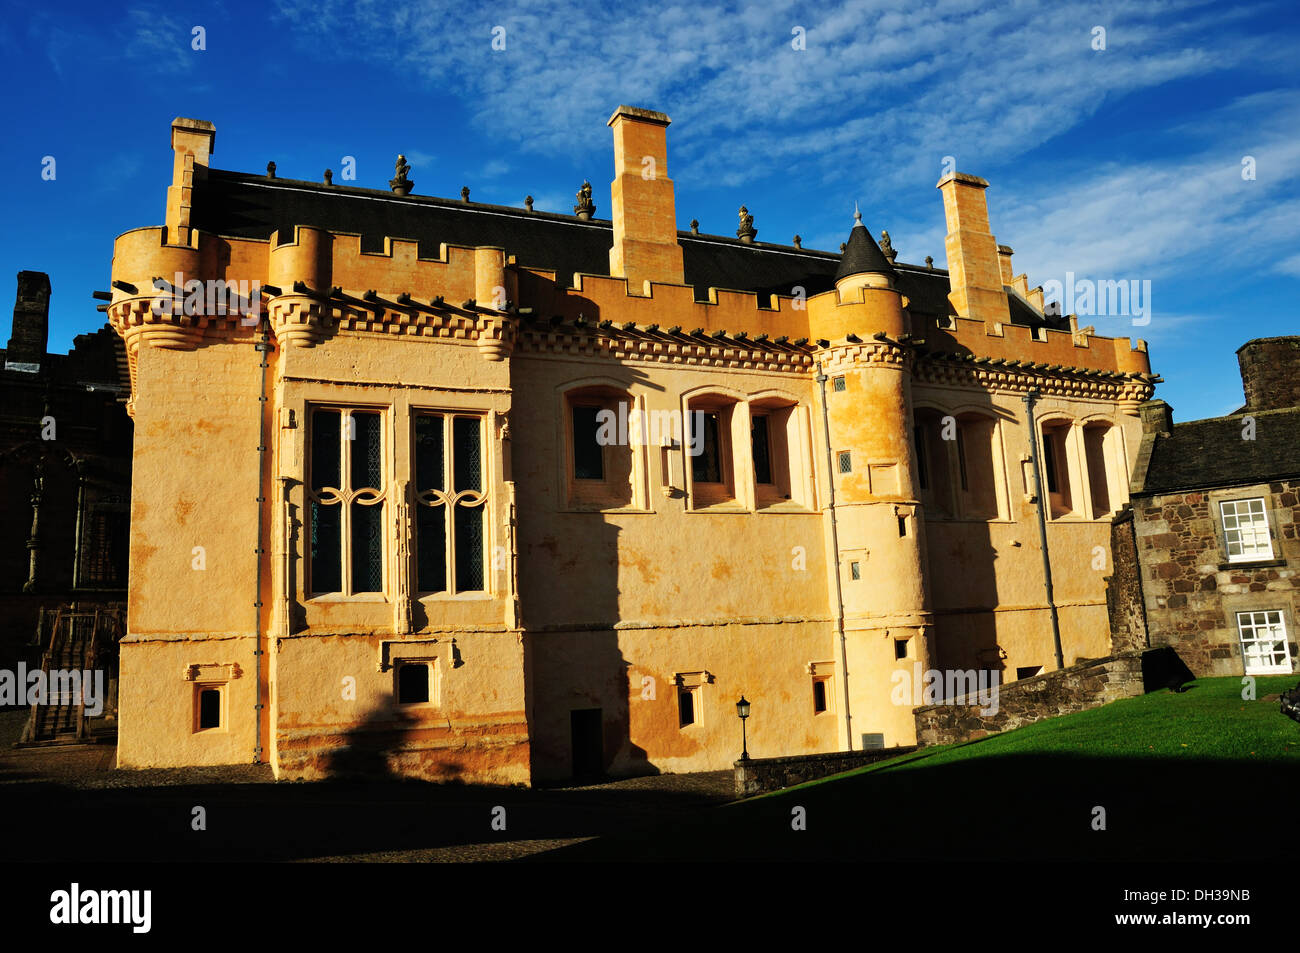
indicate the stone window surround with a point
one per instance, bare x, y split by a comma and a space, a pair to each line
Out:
1115, 462
1253, 492
692, 682
399, 403
439, 654
223, 725
742, 406
822, 672
1001, 472
1260, 602
567, 394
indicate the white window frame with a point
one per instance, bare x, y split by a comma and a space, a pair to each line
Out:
1272, 624
1255, 529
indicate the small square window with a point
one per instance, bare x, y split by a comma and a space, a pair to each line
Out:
855, 570
900, 648
209, 708
1264, 644
846, 461
1245, 530
685, 707
413, 683
838, 384
819, 695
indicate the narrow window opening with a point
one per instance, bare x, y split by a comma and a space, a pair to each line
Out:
209, 708
846, 461
900, 648
819, 695
762, 455
855, 571
685, 707
413, 683
588, 458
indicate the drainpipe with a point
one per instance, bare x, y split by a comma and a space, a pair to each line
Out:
835, 546
263, 347
1030, 399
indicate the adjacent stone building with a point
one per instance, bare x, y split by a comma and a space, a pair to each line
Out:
1216, 505
459, 490
65, 471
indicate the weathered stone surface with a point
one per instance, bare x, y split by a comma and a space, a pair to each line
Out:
758, 775
1078, 688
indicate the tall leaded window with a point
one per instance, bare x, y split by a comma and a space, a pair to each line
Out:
1245, 529
450, 501
346, 501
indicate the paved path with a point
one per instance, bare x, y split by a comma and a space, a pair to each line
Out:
149, 814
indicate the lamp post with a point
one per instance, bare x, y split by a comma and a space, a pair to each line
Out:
742, 709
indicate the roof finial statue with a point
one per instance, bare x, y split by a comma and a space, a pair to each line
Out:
400, 183
695, 226
464, 193
528, 202
585, 207
929, 262
886, 246
329, 176
270, 170
747, 232
798, 242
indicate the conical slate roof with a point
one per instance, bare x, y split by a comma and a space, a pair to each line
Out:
863, 256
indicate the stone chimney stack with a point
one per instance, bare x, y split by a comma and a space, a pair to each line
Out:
1270, 372
1157, 417
974, 263
644, 209
192, 143
31, 327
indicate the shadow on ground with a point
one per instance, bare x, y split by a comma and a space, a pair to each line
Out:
996, 808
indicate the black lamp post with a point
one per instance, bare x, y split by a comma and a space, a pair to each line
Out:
742, 709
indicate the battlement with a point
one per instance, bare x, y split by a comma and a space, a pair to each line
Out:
1038, 345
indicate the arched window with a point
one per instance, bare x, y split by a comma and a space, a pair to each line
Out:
1096, 440
978, 451
933, 461
711, 423
773, 444
1054, 448
601, 423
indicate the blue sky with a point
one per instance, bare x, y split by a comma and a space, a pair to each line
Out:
1123, 163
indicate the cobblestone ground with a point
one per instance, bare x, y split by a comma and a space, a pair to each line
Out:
146, 814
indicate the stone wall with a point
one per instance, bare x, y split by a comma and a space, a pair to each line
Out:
1193, 592
758, 775
1124, 603
1077, 688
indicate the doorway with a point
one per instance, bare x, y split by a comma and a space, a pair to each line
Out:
587, 736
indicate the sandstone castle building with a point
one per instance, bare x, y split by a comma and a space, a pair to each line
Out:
412, 489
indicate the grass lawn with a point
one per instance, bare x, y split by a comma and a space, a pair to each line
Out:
1198, 775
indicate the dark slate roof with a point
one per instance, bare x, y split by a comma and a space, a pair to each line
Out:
862, 256
239, 205
1210, 453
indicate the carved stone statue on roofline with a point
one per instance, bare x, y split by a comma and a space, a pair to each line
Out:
400, 183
